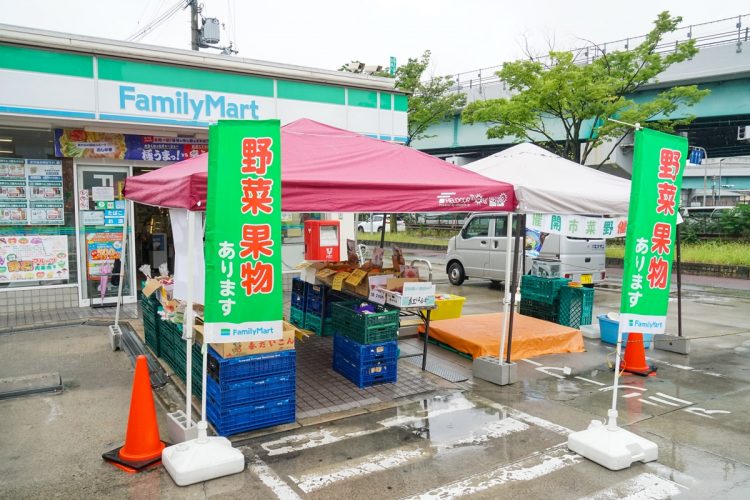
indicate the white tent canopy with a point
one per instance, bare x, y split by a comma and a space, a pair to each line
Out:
547, 183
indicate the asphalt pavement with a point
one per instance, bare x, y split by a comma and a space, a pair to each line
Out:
482, 441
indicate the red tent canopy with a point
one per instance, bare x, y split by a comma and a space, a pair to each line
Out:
327, 169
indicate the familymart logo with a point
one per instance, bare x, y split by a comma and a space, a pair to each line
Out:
257, 331
191, 104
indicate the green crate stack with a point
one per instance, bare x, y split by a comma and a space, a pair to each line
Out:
316, 325
576, 306
540, 310
540, 289
380, 326
173, 352
151, 320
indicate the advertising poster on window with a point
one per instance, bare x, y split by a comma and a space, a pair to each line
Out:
658, 165
31, 192
33, 258
77, 143
243, 286
102, 250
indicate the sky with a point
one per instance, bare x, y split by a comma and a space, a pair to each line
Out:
463, 35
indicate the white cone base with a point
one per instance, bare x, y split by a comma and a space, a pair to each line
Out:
202, 459
614, 448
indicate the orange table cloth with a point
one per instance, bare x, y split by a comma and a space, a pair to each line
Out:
479, 335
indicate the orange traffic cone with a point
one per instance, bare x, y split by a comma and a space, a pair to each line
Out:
635, 357
142, 444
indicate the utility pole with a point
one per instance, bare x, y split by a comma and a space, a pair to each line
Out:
194, 30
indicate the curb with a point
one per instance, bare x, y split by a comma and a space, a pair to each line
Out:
698, 269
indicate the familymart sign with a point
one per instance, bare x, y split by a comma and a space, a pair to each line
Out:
243, 232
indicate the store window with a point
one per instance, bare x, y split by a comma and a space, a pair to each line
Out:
37, 213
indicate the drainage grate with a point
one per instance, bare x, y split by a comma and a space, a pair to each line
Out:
131, 344
408, 351
439, 369
14, 387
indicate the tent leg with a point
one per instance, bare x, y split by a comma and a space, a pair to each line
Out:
188, 321
382, 231
514, 285
489, 368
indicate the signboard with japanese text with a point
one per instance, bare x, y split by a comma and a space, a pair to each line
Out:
658, 164
102, 250
33, 258
578, 226
243, 233
77, 143
31, 192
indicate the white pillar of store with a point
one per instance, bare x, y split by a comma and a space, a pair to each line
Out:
205, 457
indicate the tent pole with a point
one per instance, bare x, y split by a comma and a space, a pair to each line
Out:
382, 231
187, 332
521, 221
678, 260
507, 285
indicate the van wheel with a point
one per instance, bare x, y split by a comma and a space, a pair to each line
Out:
496, 283
360, 229
456, 274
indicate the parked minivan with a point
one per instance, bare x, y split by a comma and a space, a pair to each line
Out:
478, 251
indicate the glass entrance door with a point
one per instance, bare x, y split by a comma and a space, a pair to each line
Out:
102, 213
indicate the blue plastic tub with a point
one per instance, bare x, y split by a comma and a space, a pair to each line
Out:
609, 329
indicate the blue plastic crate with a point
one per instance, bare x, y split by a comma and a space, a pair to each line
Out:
298, 301
366, 374
299, 286
609, 329
252, 390
365, 353
234, 420
314, 304
226, 371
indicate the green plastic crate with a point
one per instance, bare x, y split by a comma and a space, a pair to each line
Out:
371, 335
314, 324
345, 313
540, 289
540, 310
576, 306
297, 317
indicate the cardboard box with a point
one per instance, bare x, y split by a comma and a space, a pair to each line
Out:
237, 349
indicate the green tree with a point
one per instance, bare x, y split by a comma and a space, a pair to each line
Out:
579, 99
431, 100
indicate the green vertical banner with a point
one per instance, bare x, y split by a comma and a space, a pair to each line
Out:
658, 164
243, 232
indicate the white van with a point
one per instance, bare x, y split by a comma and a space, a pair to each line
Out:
478, 251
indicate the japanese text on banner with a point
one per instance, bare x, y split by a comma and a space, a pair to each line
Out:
657, 175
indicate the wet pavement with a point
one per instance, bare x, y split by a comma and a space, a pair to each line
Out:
474, 439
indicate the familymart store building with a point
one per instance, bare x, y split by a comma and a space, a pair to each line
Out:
78, 115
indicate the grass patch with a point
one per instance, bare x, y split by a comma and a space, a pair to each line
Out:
704, 252
426, 237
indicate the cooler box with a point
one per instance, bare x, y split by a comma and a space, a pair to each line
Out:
448, 307
609, 328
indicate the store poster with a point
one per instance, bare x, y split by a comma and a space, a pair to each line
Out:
31, 192
243, 286
102, 250
33, 258
77, 143
658, 165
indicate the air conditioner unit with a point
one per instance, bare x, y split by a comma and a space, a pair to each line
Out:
743, 133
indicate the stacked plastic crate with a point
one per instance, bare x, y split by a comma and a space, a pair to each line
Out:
365, 348
319, 317
250, 392
576, 306
299, 302
540, 297
151, 320
173, 352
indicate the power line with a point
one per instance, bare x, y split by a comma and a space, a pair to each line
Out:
161, 19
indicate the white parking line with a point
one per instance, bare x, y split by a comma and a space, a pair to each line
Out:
663, 401
281, 489
643, 486
589, 381
531, 362
369, 464
667, 396
532, 467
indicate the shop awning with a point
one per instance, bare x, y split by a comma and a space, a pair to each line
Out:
547, 183
327, 169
